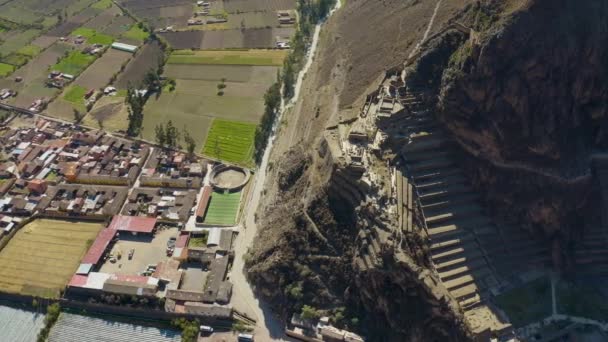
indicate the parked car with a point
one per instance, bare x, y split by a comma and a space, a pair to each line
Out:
205, 329
245, 337
171, 242
131, 252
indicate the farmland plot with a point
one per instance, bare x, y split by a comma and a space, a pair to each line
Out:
148, 57
99, 73
34, 75
41, 258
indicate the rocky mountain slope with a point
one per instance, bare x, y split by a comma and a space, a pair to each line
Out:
521, 93
524, 97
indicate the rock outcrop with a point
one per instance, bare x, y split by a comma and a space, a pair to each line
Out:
523, 95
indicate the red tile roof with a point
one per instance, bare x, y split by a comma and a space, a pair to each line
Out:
78, 280
182, 240
202, 204
99, 246
135, 224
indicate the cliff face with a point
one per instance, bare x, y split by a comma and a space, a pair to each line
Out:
310, 249
532, 89
524, 96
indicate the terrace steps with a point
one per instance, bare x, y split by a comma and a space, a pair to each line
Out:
463, 238
443, 193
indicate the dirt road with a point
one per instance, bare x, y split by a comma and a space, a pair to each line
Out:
269, 328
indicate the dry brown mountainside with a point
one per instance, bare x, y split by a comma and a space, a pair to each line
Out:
408, 188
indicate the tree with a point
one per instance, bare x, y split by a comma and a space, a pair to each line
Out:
136, 116
77, 116
309, 313
190, 142
100, 124
151, 80
171, 135
159, 135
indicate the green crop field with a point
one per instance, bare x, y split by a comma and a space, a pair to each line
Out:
223, 209
75, 94
6, 69
231, 141
229, 57
102, 4
17, 40
15, 59
136, 33
74, 63
29, 50
92, 36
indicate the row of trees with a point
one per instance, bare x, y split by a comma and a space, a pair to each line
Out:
311, 12
167, 135
272, 105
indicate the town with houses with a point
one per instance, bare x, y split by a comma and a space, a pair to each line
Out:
155, 240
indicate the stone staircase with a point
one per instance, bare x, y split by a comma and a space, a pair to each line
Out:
471, 254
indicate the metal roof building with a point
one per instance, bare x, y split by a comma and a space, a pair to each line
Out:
124, 47
76, 328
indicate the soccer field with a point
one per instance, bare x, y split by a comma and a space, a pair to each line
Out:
42, 257
223, 209
230, 141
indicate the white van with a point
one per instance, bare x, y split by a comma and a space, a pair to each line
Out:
245, 337
205, 329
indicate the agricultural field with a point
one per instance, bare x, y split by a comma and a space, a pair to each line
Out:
254, 38
229, 57
18, 40
230, 141
102, 4
42, 257
34, 75
150, 56
98, 75
6, 69
19, 325
74, 63
111, 111
249, 20
233, 6
223, 209
92, 36
161, 13
135, 34
74, 94
196, 101
118, 26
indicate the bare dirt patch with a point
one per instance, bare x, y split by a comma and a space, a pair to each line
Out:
229, 178
111, 111
44, 41
99, 73
232, 6
148, 57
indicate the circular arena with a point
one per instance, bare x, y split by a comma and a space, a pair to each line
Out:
228, 177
